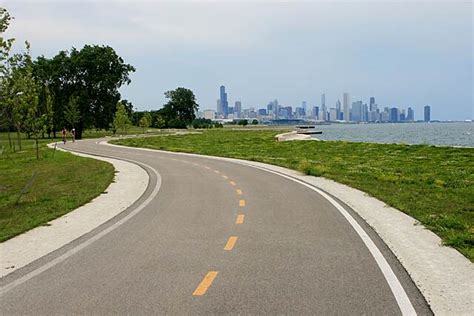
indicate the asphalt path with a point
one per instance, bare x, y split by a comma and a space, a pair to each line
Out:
216, 238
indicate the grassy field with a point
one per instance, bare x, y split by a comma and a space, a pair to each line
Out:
62, 182
433, 184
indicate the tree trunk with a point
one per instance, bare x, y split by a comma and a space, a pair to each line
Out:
79, 129
18, 137
10, 140
37, 148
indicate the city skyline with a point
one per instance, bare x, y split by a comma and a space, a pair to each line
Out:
353, 111
399, 52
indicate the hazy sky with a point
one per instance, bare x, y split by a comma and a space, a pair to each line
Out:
403, 53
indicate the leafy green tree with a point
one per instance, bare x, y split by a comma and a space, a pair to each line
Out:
72, 115
243, 122
157, 120
5, 43
94, 74
128, 107
35, 117
121, 119
19, 101
6, 110
21, 92
255, 122
205, 123
45, 107
180, 109
145, 121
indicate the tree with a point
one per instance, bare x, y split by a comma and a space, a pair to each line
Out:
6, 110
128, 107
20, 105
145, 121
45, 107
21, 91
205, 123
94, 74
72, 114
157, 120
180, 109
121, 119
35, 117
5, 43
243, 122
255, 122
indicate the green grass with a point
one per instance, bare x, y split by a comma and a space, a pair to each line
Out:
432, 184
63, 182
134, 130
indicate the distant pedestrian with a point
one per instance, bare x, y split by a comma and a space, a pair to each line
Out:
64, 133
73, 134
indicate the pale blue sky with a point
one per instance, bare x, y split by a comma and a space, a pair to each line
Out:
403, 53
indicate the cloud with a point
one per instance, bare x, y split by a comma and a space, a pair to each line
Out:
403, 52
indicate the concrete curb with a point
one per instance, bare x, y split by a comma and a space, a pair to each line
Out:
130, 182
443, 275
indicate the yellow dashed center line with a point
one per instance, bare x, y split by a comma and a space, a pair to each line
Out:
217, 171
233, 183
231, 243
205, 283
240, 219
225, 177
239, 192
242, 203
208, 168
196, 164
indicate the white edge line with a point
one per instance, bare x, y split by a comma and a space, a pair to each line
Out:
397, 289
395, 286
86, 243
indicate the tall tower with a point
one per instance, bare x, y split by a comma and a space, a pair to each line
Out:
372, 104
238, 109
346, 101
219, 107
224, 103
338, 110
410, 114
427, 116
323, 116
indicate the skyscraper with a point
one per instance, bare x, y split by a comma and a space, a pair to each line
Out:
394, 115
372, 104
338, 110
219, 107
223, 100
238, 109
365, 113
276, 109
315, 112
356, 111
410, 115
346, 100
323, 116
304, 106
427, 111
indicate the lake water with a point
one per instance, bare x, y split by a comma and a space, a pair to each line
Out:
443, 134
